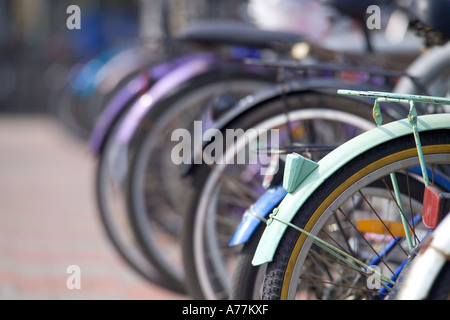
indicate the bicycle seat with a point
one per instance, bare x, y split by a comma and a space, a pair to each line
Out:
235, 33
433, 13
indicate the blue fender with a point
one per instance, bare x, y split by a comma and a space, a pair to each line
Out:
256, 214
329, 165
85, 81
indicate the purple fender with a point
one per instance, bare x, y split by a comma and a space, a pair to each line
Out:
114, 109
196, 65
137, 86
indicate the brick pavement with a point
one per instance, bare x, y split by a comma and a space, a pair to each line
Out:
48, 220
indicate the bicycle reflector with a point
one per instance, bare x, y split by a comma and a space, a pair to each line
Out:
297, 169
436, 205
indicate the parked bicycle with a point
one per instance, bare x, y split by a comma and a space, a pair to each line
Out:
214, 256
122, 169
135, 172
136, 152
360, 212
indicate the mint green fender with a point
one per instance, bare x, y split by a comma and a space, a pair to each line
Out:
330, 164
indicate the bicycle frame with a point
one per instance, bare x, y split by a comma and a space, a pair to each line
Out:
327, 166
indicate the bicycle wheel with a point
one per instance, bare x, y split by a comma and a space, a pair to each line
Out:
115, 222
223, 192
247, 280
156, 194
355, 210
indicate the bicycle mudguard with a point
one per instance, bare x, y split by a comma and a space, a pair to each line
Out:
329, 165
136, 87
256, 214
199, 64
114, 108
430, 63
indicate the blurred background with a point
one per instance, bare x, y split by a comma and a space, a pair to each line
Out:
37, 49
48, 214
36, 44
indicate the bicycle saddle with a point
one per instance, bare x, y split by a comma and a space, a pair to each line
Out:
236, 33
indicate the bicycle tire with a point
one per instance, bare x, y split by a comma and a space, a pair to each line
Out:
116, 226
155, 210
245, 278
294, 249
309, 105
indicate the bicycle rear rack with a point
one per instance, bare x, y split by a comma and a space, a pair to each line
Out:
412, 118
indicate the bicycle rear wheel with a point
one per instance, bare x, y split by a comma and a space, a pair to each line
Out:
355, 210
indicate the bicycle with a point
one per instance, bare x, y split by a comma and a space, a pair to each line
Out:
186, 87
207, 261
329, 235
132, 139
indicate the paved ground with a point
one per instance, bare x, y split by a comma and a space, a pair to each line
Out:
48, 220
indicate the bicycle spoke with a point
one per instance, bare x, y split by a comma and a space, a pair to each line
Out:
382, 221
401, 210
366, 241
